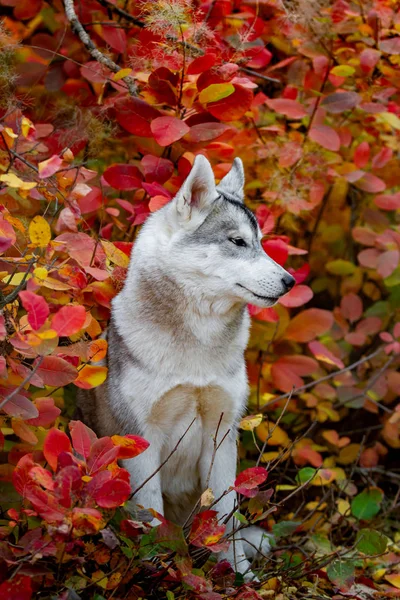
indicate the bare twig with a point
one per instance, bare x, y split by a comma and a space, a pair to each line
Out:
22, 384
77, 27
163, 463
322, 379
121, 12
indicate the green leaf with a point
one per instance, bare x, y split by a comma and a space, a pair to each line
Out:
367, 504
284, 528
241, 518
371, 542
215, 92
340, 267
380, 309
305, 474
341, 573
343, 71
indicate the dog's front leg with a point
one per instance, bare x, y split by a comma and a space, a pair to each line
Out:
144, 471
218, 471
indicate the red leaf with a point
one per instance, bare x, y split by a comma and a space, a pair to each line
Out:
135, 116
390, 46
123, 177
87, 520
129, 445
351, 307
91, 202
202, 63
205, 132
19, 406
287, 371
370, 183
48, 412
308, 324
361, 155
290, 154
113, 493
56, 442
102, 454
69, 320
388, 201
290, 108
325, 136
49, 167
156, 168
232, 107
36, 307
369, 59
20, 477
249, 480
205, 529
7, 235
27, 9
114, 36
322, 353
167, 130
297, 296
82, 438
388, 262
18, 588
277, 249
56, 371
338, 102
382, 158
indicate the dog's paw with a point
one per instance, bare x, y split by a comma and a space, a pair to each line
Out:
256, 542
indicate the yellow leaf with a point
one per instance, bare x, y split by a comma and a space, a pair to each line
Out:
91, 376
348, 454
54, 284
13, 181
250, 422
378, 574
285, 487
10, 132
16, 279
86, 478
39, 232
121, 74
268, 456
100, 578
26, 126
343, 506
393, 579
114, 254
50, 334
389, 119
272, 434
40, 274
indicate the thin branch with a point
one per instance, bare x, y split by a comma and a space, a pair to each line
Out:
121, 12
322, 379
78, 29
163, 463
22, 384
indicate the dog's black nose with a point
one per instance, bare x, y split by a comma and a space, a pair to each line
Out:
288, 281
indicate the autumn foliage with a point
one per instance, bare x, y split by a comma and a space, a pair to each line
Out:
95, 136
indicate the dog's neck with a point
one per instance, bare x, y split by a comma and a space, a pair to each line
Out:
156, 299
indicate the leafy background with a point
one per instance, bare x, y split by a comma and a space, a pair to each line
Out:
104, 105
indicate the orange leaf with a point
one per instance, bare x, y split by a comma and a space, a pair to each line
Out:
91, 376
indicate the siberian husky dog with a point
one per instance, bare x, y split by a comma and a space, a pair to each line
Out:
176, 343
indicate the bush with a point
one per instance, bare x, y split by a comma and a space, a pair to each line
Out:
95, 134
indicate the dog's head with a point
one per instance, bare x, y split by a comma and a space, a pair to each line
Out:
214, 240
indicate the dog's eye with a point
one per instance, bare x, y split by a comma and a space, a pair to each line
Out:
238, 241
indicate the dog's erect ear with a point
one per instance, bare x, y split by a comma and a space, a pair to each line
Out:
233, 182
198, 191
